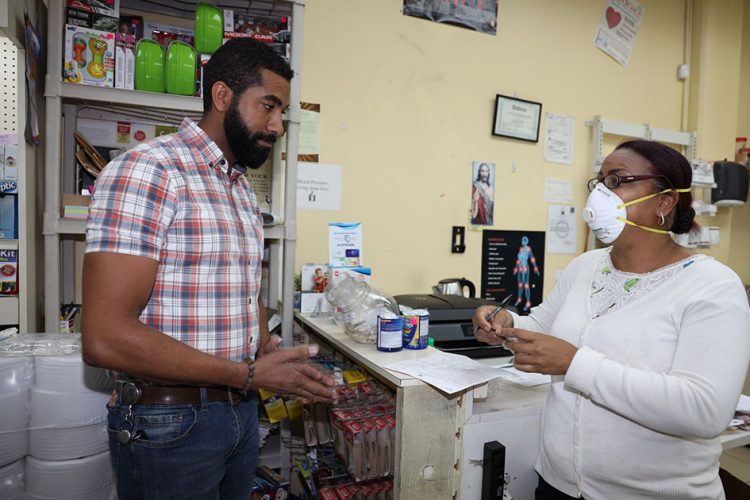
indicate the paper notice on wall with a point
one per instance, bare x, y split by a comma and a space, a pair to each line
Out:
318, 186
561, 229
261, 180
559, 135
618, 29
309, 133
558, 190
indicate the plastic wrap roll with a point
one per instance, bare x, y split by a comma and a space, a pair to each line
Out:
69, 374
89, 478
67, 409
12, 480
16, 374
14, 424
68, 443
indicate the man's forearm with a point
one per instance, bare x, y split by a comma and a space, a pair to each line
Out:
144, 352
265, 335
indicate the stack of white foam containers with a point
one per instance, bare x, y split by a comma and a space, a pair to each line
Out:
16, 379
68, 443
53, 429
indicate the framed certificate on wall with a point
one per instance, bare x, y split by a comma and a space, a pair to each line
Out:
517, 118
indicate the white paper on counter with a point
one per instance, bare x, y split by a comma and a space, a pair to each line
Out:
511, 374
743, 404
448, 372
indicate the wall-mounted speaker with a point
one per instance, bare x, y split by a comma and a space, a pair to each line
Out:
731, 184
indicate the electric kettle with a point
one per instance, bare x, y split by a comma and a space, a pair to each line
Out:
454, 286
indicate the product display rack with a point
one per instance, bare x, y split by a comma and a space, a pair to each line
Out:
14, 308
60, 233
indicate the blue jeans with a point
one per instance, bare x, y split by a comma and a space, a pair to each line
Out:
202, 451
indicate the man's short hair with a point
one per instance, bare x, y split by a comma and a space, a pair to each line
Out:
238, 63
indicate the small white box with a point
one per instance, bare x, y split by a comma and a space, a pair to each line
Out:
228, 20
124, 61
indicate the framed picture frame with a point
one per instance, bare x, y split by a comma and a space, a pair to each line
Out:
517, 118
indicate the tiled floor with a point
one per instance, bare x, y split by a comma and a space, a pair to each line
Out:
736, 461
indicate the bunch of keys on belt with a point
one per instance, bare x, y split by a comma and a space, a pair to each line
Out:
129, 394
494, 312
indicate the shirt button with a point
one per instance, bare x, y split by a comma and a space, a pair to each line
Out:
223, 161
211, 164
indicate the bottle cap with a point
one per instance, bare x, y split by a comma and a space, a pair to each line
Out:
431, 342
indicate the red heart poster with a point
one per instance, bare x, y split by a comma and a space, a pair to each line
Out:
618, 28
613, 17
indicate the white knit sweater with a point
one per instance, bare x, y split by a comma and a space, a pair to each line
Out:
651, 387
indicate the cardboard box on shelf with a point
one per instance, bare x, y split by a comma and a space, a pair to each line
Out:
91, 20
74, 206
108, 7
89, 56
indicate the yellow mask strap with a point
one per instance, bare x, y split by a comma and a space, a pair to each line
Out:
647, 197
651, 229
653, 195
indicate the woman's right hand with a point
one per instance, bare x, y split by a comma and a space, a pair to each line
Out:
491, 333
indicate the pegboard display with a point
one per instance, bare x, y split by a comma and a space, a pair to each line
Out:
9, 79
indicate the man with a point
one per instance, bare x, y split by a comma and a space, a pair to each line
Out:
171, 279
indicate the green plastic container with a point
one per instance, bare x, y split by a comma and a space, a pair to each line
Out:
209, 28
149, 66
180, 71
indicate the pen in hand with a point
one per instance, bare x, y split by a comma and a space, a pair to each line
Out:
494, 312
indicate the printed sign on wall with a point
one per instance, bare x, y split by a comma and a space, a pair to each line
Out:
513, 264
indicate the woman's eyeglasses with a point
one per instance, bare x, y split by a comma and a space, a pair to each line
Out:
612, 181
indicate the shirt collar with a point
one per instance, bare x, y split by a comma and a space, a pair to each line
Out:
210, 151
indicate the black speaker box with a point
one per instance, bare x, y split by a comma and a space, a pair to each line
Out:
731, 184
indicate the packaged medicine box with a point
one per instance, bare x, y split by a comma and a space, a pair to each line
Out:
124, 61
8, 272
89, 56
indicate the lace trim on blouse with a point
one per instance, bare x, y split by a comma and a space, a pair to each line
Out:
612, 288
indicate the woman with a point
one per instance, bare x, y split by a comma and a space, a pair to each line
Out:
647, 344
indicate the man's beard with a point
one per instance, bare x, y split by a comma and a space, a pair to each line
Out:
242, 141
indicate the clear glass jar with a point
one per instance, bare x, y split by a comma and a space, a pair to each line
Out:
356, 307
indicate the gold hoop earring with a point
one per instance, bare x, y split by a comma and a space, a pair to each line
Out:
661, 219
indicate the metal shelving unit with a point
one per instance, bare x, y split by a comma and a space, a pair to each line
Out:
62, 97
14, 308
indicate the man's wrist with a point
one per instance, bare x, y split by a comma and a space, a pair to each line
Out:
250, 378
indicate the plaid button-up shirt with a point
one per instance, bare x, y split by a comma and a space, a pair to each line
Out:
171, 200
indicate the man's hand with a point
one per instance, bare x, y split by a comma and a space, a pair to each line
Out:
272, 345
539, 353
287, 371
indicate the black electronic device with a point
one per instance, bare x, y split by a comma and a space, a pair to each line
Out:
450, 323
493, 471
731, 184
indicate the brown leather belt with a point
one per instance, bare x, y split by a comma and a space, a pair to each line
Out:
181, 395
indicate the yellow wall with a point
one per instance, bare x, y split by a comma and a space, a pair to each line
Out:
408, 104
739, 256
